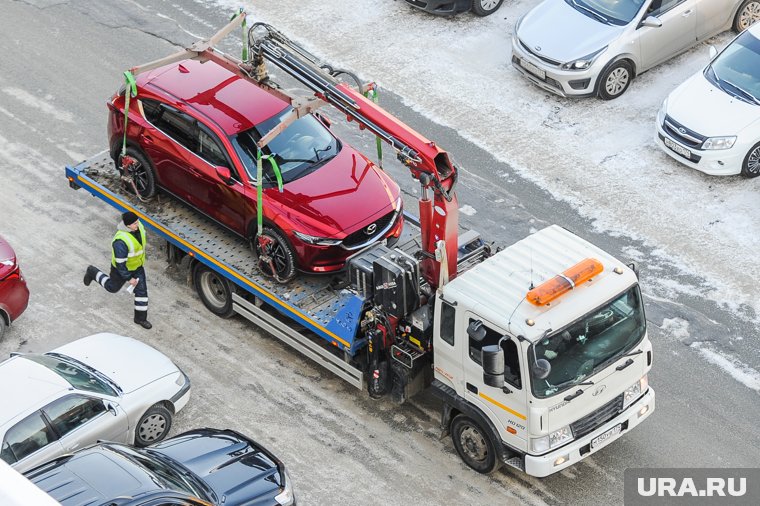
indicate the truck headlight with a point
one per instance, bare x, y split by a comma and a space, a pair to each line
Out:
634, 391
584, 62
720, 142
556, 438
287, 496
317, 241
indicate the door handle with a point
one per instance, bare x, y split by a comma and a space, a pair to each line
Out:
148, 139
686, 14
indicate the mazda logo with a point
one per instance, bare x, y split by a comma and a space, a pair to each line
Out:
370, 229
682, 130
599, 390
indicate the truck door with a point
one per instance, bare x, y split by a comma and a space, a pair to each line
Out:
506, 406
448, 339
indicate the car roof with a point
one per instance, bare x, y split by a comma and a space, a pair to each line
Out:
232, 102
34, 385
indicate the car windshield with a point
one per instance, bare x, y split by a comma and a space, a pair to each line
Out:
736, 70
611, 12
79, 375
300, 149
582, 347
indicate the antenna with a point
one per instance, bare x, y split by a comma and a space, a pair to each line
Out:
531, 270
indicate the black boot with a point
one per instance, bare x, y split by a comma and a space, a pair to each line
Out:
89, 275
144, 324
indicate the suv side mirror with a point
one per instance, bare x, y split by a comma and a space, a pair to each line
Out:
323, 119
713, 52
224, 174
651, 22
492, 358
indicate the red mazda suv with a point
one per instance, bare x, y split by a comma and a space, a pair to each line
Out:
192, 132
14, 295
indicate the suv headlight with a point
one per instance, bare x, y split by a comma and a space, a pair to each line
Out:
556, 438
287, 496
720, 142
634, 391
317, 241
584, 62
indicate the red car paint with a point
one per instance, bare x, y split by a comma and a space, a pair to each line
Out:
14, 294
342, 199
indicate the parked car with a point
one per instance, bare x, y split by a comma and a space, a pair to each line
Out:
451, 7
193, 133
99, 387
711, 122
14, 294
199, 467
578, 48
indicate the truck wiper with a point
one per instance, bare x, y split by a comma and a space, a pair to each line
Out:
580, 391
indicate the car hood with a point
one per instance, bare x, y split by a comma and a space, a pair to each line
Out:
563, 33
128, 362
347, 192
7, 258
708, 110
230, 464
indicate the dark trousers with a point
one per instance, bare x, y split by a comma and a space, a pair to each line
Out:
113, 282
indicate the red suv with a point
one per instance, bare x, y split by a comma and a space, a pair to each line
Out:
14, 295
193, 131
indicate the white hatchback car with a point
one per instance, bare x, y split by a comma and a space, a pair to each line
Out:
99, 387
711, 122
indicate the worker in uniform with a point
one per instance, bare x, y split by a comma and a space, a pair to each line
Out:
127, 266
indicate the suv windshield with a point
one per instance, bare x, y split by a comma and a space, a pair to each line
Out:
602, 335
737, 70
611, 12
300, 149
79, 375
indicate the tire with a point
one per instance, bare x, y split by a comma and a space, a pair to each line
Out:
615, 80
485, 7
748, 13
143, 173
3, 326
751, 165
474, 445
281, 252
214, 290
153, 426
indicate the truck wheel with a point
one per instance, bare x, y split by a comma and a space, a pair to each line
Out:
214, 290
153, 426
280, 255
142, 173
485, 7
473, 445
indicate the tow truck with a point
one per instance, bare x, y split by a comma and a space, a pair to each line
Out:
539, 352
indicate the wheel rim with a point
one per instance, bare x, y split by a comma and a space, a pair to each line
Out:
152, 428
140, 177
473, 444
616, 81
488, 5
753, 161
213, 289
749, 15
279, 257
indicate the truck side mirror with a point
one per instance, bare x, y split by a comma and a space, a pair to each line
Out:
476, 331
634, 268
224, 174
492, 358
541, 368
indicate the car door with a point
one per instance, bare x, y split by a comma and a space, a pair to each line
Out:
714, 16
677, 33
29, 443
80, 420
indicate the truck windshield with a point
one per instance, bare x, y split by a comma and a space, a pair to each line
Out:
591, 342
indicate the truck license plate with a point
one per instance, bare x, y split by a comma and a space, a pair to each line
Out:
605, 438
678, 149
532, 69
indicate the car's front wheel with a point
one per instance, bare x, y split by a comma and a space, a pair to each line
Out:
748, 14
751, 165
276, 257
615, 80
485, 7
153, 426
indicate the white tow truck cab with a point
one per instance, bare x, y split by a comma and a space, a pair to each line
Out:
541, 355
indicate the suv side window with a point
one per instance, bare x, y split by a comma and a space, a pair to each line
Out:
657, 7
176, 124
511, 356
26, 437
73, 411
210, 149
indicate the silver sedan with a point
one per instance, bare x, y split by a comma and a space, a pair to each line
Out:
596, 47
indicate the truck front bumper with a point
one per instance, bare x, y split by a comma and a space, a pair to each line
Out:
544, 465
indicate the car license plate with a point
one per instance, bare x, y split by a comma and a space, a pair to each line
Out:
605, 438
677, 148
532, 69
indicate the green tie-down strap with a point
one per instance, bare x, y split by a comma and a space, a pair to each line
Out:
260, 184
130, 91
372, 95
245, 34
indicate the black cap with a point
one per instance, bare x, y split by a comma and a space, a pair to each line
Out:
128, 218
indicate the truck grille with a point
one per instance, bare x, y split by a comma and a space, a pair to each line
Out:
596, 418
363, 237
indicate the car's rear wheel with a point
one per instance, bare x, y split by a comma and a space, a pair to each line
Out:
153, 426
142, 172
474, 445
485, 7
214, 290
748, 14
276, 258
751, 165
615, 80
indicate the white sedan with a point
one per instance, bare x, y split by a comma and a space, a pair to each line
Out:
99, 387
711, 122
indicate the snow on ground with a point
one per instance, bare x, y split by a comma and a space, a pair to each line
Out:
599, 156
738, 370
